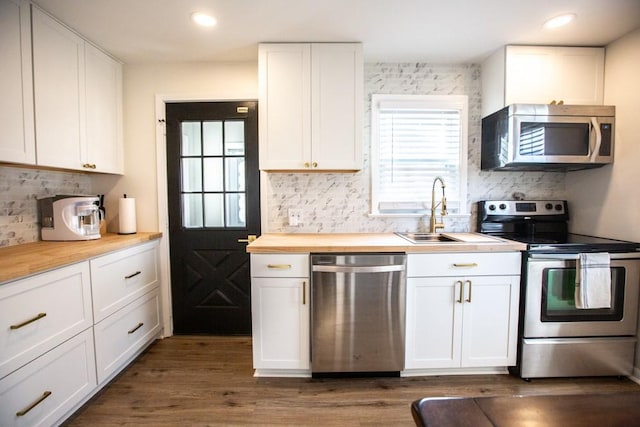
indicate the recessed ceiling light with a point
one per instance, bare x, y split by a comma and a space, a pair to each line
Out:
559, 21
203, 19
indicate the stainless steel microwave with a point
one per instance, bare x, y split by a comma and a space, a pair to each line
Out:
548, 137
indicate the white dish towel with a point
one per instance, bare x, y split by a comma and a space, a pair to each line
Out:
593, 281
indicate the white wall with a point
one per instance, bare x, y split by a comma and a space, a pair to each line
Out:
606, 201
214, 81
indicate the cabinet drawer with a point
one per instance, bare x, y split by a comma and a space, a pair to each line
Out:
280, 265
42, 311
121, 277
121, 335
463, 264
57, 381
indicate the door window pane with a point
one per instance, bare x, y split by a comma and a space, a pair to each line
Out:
192, 210
213, 174
234, 137
191, 139
234, 173
191, 175
212, 138
213, 208
236, 213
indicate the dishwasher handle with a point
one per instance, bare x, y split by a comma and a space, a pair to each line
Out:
338, 268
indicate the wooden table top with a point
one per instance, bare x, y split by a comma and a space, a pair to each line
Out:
30, 258
574, 410
376, 242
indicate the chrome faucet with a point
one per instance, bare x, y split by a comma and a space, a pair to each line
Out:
433, 225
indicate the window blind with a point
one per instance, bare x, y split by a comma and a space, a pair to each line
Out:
415, 145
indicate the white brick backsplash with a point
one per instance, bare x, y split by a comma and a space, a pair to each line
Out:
19, 191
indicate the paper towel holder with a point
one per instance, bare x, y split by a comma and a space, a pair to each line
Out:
127, 215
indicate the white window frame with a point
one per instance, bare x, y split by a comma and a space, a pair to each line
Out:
413, 209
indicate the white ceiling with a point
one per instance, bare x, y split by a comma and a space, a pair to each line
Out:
442, 31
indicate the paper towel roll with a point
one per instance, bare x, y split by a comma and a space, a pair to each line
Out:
127, 214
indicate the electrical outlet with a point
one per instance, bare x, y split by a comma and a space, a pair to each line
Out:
295, 217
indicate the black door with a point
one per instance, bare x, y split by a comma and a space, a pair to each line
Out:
214, 203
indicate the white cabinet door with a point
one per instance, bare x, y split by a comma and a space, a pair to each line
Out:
542, 74
122, 335
58, 75
280, 313
16, 84
490, 321
42, 392
433, 328
104, 111
336, 100
285, 106
310, 105
42, 311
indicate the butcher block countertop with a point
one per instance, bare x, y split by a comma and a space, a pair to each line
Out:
377, 242
24, 260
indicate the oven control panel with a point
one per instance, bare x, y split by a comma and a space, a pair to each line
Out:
522, 207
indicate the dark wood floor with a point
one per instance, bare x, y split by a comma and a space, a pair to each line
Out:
208, 381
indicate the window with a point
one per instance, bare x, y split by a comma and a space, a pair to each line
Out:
414, 139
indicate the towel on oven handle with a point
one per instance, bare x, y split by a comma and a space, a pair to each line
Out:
593, 281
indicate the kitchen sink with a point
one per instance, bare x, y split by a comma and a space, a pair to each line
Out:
426, 237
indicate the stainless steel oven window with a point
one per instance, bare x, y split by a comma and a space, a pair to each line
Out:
558, 303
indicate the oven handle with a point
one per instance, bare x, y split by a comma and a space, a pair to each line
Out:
624, 255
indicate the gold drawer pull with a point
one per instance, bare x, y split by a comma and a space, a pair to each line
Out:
26, 322
465, 265
136, 328
33, 405
459, 282
470, 285
279, 266
133, 275
304, 293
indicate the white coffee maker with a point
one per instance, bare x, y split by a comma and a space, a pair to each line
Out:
66, 217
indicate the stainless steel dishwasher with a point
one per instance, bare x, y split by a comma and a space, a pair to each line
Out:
358, 310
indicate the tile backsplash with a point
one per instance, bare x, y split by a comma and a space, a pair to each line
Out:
340, 202
19, 191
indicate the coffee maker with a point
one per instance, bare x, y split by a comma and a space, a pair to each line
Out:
68, 217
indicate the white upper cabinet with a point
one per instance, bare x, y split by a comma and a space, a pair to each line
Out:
16, 106
310, 109
541, 75
78, 104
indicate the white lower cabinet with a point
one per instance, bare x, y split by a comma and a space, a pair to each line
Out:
121, 335
52, 341
46, 389
280, 300
468, 320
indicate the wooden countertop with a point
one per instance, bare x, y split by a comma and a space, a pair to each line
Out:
24, 260
377, 242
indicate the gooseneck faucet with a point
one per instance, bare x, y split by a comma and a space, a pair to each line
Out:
433, 225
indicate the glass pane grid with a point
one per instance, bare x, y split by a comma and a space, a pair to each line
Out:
213, 174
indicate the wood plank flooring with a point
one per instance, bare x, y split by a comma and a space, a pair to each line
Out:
208, 381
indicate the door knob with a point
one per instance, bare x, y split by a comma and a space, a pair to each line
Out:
250, 238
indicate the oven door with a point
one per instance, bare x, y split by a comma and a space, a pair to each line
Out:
550, 309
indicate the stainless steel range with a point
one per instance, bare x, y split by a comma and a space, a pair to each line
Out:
556, 338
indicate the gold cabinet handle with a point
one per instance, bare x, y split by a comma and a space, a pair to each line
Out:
306, 164
314, 164
138, 326
469, 282
465, 265
459, 300
279, 266
133, 275
89, 166
33, 405
26, 322
250, 239
304, 293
